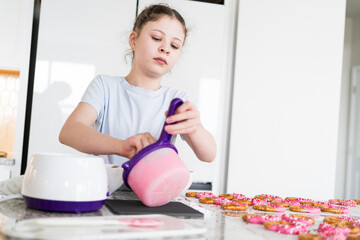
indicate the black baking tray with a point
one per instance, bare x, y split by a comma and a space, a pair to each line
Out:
135, 207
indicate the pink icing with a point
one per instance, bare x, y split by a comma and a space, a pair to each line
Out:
305, 200
327, 231
311, 209
288, 229
256, 201
260, 219
294, 220
142, 222
333, 202
349, 203
294, 203
204, 194
278, 208
349, 219
221, 201
238, 196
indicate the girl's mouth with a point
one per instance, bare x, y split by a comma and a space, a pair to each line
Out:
161, 61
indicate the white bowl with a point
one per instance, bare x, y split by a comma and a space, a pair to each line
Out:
61, 182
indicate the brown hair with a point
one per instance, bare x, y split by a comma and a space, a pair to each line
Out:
155, 12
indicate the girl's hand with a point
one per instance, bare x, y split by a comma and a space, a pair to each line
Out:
188, 120
134, 144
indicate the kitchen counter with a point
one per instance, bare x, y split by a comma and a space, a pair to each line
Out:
218, 222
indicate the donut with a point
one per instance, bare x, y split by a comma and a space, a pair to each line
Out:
204, 194
285, 227
207, 200
227, 196
257, 201
268, 196
348, 203
349, 219
269, 208
328, 231
221, 201
298, 219
260, 218
234, 207
291, 198
238, 196
307, 203
332, 219
335, 209
309, 236
282, 203
244, 200
191, 194
304, 209
354, 227
356, 200
334, 201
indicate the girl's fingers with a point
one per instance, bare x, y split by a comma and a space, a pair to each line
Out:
182, 116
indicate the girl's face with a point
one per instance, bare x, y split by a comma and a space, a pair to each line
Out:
158, 46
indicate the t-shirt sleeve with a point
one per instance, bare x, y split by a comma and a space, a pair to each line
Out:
95, 96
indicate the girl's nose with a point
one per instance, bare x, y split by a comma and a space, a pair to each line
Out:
164, 49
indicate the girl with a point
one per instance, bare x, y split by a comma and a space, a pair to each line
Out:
127, 112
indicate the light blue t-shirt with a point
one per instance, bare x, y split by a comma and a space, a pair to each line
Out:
125, 110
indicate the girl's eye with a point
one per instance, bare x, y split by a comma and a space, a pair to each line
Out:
156, 39
174, 47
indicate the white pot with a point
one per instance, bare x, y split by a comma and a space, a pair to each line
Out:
58, 179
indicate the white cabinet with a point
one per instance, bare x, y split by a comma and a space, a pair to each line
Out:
286, 98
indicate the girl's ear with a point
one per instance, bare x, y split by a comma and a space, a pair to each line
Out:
132, 39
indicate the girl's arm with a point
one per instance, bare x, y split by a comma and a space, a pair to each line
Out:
77, 133
189, 125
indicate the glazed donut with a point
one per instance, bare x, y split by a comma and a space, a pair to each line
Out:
227, 196
298, 219
191, 194
204, 194
207, 200
234, 207
245, 201
285, 227
260, 218
269, 208
304, 209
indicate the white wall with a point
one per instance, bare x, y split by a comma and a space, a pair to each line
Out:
285, 112
344, 112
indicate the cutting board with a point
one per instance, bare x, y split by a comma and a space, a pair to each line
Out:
134, 207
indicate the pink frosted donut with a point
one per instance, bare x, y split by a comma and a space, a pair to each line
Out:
294, 203
304, 209
348, 203
305, 200
238, 196
204, 194
268, 196
298, 219
327, 231
255, 201
349, 219
221, 201
285, 227
260, 219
